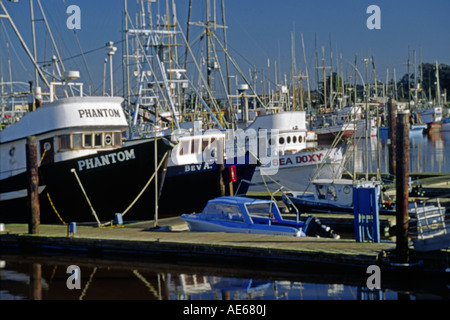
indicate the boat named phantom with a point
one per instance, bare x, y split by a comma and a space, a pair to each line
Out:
85, 172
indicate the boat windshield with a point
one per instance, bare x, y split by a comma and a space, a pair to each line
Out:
223, 212
262, 210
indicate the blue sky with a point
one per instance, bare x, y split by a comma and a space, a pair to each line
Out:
258, 30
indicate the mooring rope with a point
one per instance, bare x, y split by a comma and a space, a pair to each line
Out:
132, 203
146, 185
54, 209
87, 198
48, 194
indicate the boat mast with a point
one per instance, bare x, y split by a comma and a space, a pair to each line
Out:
33, 32
307, 76
438, 86
22, 42
226, 47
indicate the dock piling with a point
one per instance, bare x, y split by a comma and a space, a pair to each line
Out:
402, 186
32, 186
391, 136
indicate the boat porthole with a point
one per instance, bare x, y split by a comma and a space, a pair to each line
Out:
289, 139
47, 146
294, 139
12, 151
300, 139
281, 140
346, 189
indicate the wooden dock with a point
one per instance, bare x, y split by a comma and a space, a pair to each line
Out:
139, 239
172, 242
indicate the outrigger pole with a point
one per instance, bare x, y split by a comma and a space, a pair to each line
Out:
24, 45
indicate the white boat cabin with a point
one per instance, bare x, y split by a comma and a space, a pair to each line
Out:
338, 191
64, 129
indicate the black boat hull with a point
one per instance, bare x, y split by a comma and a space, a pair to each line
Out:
111, 180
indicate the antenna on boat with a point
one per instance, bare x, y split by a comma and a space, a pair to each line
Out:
110, 51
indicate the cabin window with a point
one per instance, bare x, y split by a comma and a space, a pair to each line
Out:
98, 140
263, 210
117, 139
194, 146
331, 193
300, 139
321, 191
327, 192
64, 142
79, 141
205, 143
184, 147
223, 212
76, 141
87, 141
288, 139
281, 140
294, 139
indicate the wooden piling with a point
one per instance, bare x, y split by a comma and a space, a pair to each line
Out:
391, 135
32, 186
36, 281
402, 186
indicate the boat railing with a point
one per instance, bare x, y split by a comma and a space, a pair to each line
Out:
429, 227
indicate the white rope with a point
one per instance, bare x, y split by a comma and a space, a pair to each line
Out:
146, 185
132, 203
84, 192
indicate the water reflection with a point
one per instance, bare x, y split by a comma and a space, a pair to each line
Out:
36, 278
428, 153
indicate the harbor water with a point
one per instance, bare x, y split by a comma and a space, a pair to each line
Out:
46, 278
428, 153
27, 277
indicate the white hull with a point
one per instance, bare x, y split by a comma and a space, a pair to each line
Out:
295, 171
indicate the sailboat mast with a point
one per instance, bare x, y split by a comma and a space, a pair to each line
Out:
438, 86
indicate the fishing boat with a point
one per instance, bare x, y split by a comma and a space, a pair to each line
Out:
327, 128
247, 215
169, 105
328, 196
85, 172
416, 127
364, 128
432, 117
293, 164
336, 196
414, 130
199, 169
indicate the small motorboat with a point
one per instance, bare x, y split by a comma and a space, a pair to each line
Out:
238, 214
328, 196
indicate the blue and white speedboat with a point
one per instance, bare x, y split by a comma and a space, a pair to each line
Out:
236, 214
